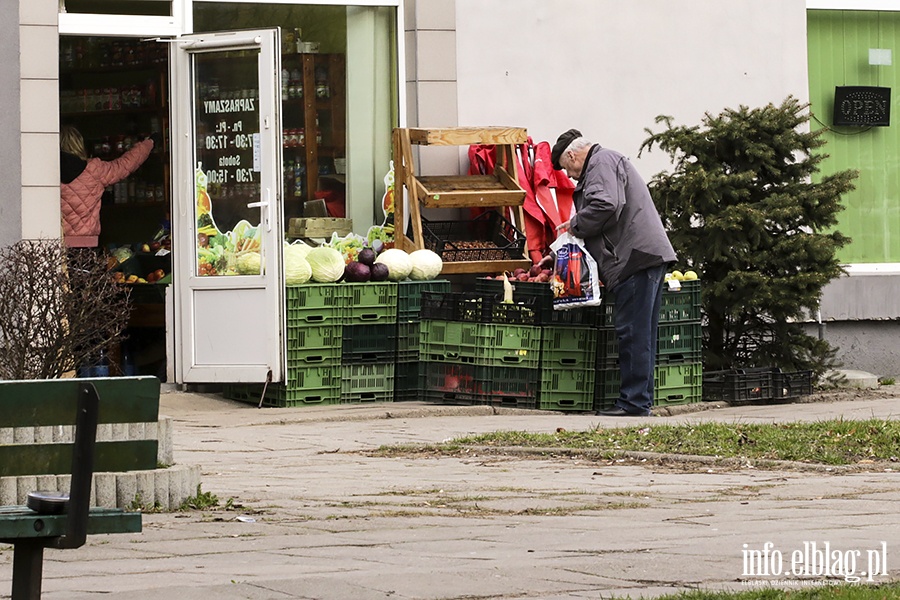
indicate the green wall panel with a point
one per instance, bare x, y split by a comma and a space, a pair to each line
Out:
838, 44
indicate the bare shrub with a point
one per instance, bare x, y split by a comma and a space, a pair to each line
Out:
58, 309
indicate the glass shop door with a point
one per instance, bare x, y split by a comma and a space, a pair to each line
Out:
227, 206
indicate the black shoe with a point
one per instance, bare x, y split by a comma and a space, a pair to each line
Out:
620, 412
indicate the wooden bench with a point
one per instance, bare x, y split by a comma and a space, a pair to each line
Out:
61, 404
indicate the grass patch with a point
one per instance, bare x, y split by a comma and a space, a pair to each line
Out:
830, 592
834, 442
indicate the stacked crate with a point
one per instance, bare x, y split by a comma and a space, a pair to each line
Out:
568, 346
369, 342
408, 372
341, 347
679, 369
478, 350
315, 316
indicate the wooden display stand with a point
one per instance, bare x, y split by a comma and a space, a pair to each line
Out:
457, 191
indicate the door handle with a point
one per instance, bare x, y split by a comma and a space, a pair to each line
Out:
267, 213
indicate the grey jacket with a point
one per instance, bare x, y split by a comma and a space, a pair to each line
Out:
616, 218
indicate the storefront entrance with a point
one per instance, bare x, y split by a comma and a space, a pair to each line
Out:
293, 109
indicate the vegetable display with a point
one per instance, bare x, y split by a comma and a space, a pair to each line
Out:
296, 268
426, 264
398, 263
326, 263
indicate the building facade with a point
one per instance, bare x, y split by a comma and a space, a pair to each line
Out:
608, 68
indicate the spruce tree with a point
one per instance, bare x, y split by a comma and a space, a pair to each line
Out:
746, 210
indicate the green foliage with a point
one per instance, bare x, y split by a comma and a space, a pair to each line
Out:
746, 210
203, 500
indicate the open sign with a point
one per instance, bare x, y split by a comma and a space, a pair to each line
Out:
862, 106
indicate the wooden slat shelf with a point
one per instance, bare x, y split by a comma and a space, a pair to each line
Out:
498, 190
467, 190
465, 136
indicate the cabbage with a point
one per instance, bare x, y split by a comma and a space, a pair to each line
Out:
249, 263
296, 269
398, 263
300, 248
327, 264
425, 265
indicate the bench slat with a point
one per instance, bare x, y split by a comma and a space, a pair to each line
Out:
52, 402
56, 459
20, 522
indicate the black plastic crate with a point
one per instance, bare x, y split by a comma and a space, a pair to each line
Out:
409, 297
792, 385
539, 297
409, 381
524, 312
369, 343
449, 383
451, 306
489, 236
740, 385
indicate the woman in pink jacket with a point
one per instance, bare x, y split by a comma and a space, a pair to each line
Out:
83, 180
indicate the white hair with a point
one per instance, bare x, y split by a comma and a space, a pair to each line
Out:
577, 144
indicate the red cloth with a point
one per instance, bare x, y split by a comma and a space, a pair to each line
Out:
539, 180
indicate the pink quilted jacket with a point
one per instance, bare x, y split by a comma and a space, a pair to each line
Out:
80, 200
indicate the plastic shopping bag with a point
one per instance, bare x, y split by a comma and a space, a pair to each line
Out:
575, 280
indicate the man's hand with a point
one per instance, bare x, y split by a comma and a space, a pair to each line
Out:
546, 262
563, 227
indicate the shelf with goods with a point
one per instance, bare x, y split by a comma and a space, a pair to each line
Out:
313, 93
114, 91
501, 245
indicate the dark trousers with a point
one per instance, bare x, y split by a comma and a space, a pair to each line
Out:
638, 299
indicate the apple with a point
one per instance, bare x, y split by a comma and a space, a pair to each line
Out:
690, 276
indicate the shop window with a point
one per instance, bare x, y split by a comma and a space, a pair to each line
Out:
339, 99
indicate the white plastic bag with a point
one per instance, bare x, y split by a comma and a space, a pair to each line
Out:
575, 279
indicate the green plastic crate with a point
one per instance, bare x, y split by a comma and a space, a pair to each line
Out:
678, 384
321, 376
673, 384
681, 305
508, 345
676, 343
314, 336
370, 302
680, 342
453, 341
567, 401
409, 297
367, 383
281, 395
567, 389
307, 357
407, 341
677, 305
314, 303
568, 347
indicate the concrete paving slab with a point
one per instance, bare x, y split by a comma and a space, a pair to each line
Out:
324, 518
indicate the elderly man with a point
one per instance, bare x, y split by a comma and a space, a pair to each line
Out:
622, 230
